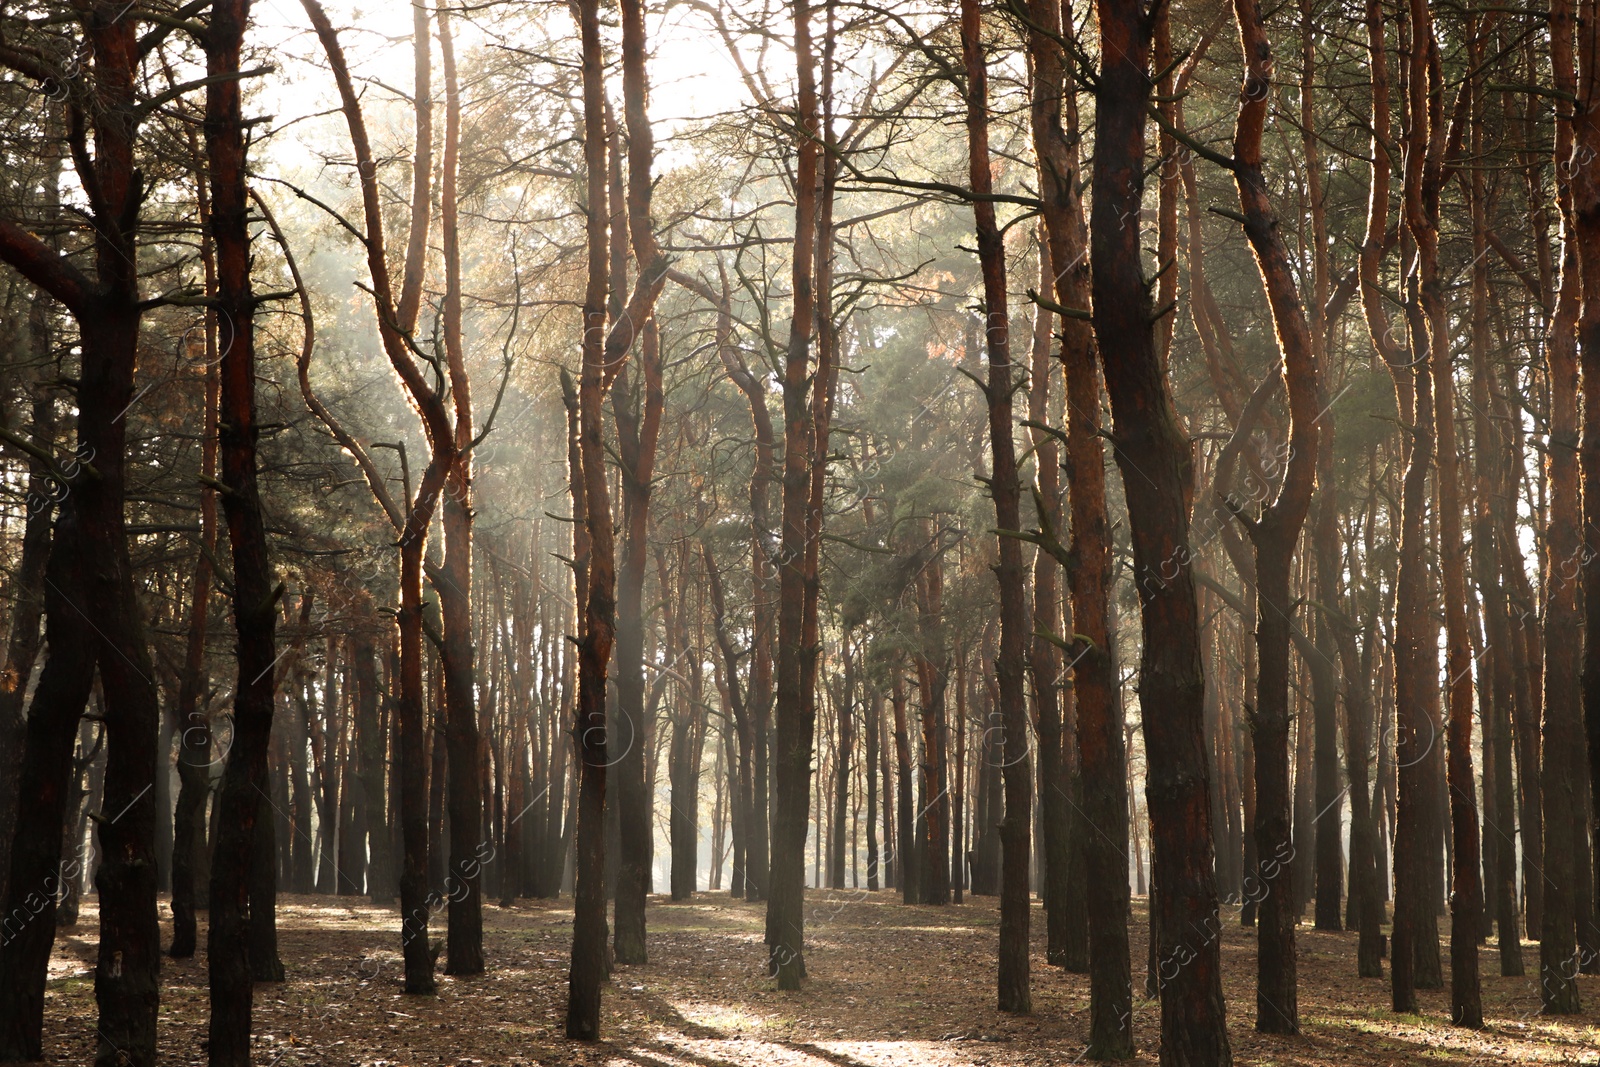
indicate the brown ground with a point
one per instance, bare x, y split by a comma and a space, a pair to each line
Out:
889, 985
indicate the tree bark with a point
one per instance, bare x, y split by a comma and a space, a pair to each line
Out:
89, 576
1324, 665
452, 582
637, 435
688, 733
907, 866
845, 710
1006, 490
764, 565
371, 751
1466, 896
1274, 536
189, 852
1366, 892
804, 444
743, 800
254, 595
1066, 926
411, 518
1154, 458
604, 353
933, 849
1585, 199
1096, 707
25, 635
1417, 714
1558, 984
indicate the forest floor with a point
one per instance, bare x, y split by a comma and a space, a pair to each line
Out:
888, 985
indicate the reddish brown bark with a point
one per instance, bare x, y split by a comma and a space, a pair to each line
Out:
638, 427
1274, 536
932, 663
1586, 231
92, 527
410, 518
1096, 707
1325, 546
1066, 925
190, 857
764, 567
1381, 333
743, 799
1466, 896
453, 580
796, 652
25, 635
595, 593
1006, 490
1575, 333
906, 868
254, 596
1066, 928
1492, 471
1366, 894
1417, 713
1154, 458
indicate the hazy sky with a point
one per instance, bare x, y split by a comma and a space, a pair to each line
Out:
691, 73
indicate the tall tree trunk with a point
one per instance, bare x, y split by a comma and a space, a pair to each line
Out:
805, 444
323, 723
1494, 685
452, 582
1006, 490
1586, 227
907, 866
1274, 536
688, 719
254, 595
638, 419
1157, 479
1416, 668
1324, 665
958, 866
933, 674
301, 846
845, 712
89, 576
412, 517
1366, 893
1564, 682
1417, 829
1558, 984
371, 751
891, 861
1066, 927
28, 596
874, 743
194, 738
742, 800
764, 564
24, 636
604, 353
637, 434
1096, 707
1466, 895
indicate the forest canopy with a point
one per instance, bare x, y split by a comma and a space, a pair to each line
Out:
504, 503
